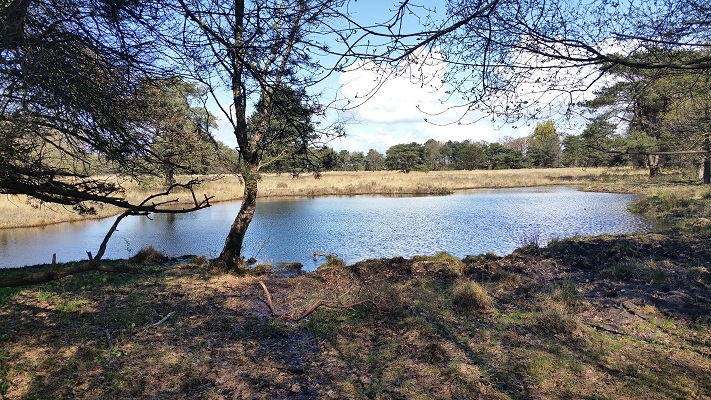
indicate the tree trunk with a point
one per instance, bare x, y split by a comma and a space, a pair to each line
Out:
169, 175
230, 254
653, 163
707, 170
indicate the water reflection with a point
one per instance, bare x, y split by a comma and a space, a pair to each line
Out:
355, 228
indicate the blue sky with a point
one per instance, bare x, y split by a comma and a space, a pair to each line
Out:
398, 111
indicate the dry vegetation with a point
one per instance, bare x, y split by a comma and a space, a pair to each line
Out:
16, 211
609, 317
534, 325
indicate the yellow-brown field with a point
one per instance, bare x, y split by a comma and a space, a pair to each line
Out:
16, 211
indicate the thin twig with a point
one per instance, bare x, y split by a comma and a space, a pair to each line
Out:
318, 304
321, 303
161, 321
108, 338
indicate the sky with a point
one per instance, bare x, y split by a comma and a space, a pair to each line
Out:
406, 108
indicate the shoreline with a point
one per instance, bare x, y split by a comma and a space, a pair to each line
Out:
541, 323
608, 316
343, 183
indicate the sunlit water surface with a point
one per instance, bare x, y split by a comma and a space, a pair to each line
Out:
354, 228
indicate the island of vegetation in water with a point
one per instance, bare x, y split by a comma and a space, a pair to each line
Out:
585, 317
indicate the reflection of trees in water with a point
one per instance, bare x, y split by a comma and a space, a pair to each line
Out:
354, 228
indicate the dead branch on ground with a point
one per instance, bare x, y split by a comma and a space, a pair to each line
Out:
17, 279
318, 304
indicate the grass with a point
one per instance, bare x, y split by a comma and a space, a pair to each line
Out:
422, 336
470, 296
19, 211
623, 317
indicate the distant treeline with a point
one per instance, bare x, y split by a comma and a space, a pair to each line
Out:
544, 148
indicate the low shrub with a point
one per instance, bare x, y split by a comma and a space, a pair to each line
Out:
506, 278
332, 261
261, 269
148, 255
566, 293
553, 318
697, 272
442, 265
198, 262
470, 296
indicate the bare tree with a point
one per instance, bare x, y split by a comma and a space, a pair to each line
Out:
505, 56
508, 60
246, 53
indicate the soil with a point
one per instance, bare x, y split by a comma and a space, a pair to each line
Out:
621, 317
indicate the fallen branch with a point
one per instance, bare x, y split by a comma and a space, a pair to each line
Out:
16, 278
269, 298
159, 322
318, 304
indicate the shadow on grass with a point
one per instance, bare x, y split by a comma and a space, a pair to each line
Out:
181, 332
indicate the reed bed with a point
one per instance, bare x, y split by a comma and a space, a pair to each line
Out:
19, 211
438, 182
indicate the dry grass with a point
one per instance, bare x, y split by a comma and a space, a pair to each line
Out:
185, 332
437, 182
17, 211
471, 296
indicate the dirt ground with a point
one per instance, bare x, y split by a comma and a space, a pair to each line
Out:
624, 317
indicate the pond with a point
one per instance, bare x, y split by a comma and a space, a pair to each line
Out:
354, 228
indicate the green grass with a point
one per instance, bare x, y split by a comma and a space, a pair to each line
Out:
623, 270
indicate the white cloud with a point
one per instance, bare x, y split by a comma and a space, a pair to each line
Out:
408, 103
394, 95
225, 132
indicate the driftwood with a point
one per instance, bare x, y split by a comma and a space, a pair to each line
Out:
318, 304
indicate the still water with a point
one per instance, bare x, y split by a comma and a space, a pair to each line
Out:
354, 228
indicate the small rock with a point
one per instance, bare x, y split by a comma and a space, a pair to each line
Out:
296, 388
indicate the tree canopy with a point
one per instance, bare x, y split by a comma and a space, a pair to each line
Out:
71, 76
